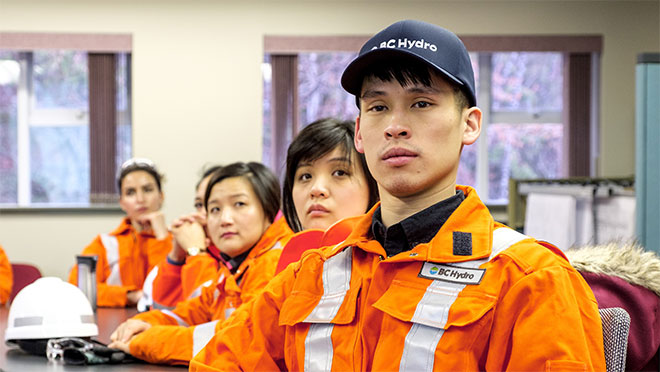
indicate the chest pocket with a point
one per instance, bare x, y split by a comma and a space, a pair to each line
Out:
439, 308
434, 305
300, 307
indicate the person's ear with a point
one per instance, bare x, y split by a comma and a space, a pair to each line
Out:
358, 136
472, 120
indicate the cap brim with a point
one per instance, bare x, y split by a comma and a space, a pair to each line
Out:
351, 79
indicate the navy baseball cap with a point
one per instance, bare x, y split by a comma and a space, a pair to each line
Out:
440, 48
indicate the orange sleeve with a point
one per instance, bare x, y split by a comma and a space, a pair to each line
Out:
167, 289
198, 271
547, 306
188, 312
176, 283
173, 334
164, 344
157, 250
6, 277
106, 295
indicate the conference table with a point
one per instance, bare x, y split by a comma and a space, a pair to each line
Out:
13, 359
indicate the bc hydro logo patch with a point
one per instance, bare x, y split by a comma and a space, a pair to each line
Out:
452, 274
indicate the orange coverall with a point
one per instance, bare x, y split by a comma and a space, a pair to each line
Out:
125, 257
177, 335
6, 277
509, 304
175, 283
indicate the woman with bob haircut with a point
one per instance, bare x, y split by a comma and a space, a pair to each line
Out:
142, 240
326, 180
242, 201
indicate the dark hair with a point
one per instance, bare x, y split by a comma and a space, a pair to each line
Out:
408, 71
207, 172
313, 142
263, 182
138, 164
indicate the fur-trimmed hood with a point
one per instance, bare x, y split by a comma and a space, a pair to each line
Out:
629, 262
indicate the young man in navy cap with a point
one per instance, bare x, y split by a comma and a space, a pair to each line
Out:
426, 281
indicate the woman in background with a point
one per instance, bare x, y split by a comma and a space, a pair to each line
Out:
242, 201
128, 253
326, 180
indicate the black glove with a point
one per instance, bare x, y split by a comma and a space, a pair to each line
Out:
79, 351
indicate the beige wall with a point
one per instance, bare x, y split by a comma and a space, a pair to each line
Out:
197, 83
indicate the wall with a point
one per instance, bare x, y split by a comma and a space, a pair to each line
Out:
197, 83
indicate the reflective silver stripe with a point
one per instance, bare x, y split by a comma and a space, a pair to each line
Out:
277, 245
419, 340
112, 254
89, 318
28, 321
505, 237
229, 311
198, 291
202, 334
336, 282
318, 347
433, 308
432, 311
147, 299
158, 306
176, 317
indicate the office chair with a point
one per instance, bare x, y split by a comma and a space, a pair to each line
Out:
24, 274
616, 325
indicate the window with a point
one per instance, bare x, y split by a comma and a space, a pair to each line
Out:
532, 91
56, 108
521, 94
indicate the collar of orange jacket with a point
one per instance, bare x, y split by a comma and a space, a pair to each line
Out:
471, 217
278, 231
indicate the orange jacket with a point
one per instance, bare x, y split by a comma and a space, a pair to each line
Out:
177, 335
509, 304
125, 257
6, 277
174, 283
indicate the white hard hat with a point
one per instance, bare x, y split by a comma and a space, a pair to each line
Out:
50, 308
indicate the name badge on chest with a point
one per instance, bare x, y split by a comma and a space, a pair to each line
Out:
452, 274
